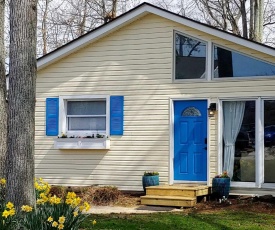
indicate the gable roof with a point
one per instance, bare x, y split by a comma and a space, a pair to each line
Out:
136, 13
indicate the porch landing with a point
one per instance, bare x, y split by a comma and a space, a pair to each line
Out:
179, 195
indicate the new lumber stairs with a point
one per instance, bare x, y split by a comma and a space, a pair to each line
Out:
178, 195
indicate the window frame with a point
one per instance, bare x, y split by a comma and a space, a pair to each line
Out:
207, 46
235, 78
63, 121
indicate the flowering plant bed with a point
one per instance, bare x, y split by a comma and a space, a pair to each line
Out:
51, 212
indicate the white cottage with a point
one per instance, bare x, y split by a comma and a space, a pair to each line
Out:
152, 90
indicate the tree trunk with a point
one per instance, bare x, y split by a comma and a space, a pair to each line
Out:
22, 86
44, 27
3, 93
244, 18
251, 23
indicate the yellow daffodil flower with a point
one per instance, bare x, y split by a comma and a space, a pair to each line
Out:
60, 226
26, 208
94, 222
75, 213
61, 219
12, 212
9, 205
2, 181
6, 213
87, 206
50, 219
54, 224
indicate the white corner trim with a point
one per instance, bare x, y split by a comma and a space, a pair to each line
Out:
171, 129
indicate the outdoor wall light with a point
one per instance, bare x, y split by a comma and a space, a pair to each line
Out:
212, 109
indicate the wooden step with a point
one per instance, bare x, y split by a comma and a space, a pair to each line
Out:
178, 190
177, 201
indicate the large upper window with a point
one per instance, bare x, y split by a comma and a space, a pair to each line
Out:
228, 63
190, 57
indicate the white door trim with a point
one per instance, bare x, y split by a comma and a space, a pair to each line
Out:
171, 130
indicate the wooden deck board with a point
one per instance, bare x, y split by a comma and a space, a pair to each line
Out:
180, 195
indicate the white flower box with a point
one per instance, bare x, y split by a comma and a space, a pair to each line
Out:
82, 143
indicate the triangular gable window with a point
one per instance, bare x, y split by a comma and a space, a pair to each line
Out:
228, 63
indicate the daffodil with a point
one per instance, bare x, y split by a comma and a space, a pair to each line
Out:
60, 226
50, 219
26, 208
87, 206
75, 213
12, 212
54, 224
2, 181
71, 195
6, 213
94, 222
61, 219
9, 205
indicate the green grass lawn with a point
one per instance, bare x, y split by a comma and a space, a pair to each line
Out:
175, 221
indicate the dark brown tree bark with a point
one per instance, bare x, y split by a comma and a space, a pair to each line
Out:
21, 106
3, 103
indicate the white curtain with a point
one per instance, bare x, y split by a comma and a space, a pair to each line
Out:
233, 112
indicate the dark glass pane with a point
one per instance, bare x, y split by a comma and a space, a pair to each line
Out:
232, 64
269, 141
190, 58
86, 108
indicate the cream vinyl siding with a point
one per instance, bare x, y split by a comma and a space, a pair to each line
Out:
136, 61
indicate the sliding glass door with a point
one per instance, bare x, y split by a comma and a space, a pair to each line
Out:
248, 141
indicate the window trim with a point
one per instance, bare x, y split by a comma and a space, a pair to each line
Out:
207, 48
236, 78
63, 114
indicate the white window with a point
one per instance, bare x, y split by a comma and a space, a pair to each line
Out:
84, 116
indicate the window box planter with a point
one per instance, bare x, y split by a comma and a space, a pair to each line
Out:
82, 143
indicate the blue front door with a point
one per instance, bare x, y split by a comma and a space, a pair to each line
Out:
190, 140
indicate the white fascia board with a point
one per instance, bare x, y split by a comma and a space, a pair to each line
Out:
86, 39
210, 30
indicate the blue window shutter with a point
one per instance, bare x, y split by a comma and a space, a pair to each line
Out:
52, 116
116, 115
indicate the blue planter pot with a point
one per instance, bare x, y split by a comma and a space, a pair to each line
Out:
221, 187
149, 181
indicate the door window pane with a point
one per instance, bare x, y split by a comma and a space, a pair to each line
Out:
269, 141
228, 63
190, 58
